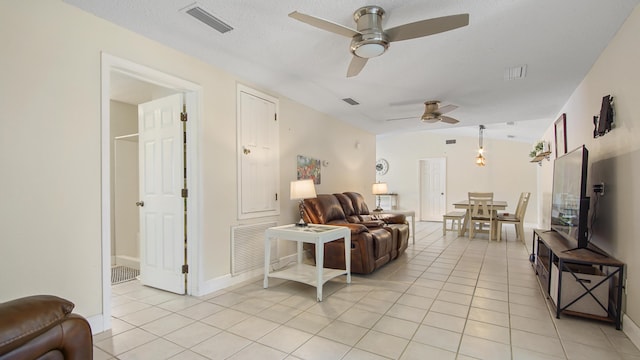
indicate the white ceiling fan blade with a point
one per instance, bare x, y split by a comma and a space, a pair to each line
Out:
447, 108
448, 120
324, 24
427, 27
356, 65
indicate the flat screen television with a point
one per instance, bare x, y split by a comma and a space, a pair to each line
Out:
569, 202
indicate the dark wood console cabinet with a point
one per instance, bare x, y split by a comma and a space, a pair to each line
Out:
581, 282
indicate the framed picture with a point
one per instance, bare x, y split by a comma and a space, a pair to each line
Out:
308, 168
561, 135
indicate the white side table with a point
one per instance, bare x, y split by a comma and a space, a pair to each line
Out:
406, 213
304, 273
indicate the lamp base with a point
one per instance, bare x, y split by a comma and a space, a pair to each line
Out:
301, 223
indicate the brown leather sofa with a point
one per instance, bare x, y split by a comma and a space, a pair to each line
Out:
375, 240
43, 327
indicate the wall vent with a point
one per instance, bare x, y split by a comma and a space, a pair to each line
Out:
210, 20
247, 247
449, 142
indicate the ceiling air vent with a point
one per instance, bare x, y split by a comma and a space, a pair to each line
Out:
350, 101
449, 142
204, 16
515, 72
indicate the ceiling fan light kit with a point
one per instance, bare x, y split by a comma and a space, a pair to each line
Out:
370, 40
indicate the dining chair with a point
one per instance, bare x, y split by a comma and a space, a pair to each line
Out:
481, 213
516, 219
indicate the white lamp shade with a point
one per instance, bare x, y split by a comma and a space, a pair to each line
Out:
379, 188
302, 189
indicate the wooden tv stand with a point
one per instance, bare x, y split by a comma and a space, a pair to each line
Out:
590, 281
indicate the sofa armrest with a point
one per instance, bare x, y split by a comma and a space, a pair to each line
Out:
25, 318
32, 326
355, 228
393, 218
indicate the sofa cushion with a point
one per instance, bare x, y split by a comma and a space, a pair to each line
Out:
324, 209
347, 207
359, 205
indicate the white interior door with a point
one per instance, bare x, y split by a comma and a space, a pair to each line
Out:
433, 175
162, 228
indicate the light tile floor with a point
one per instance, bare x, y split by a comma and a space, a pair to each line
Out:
447, 297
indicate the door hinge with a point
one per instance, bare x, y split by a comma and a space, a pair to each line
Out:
276, 196
185, 193
275, 117
183, 114
185, 269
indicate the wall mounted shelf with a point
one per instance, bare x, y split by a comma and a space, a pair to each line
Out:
543, 155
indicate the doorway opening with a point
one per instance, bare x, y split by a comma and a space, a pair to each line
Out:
125, 85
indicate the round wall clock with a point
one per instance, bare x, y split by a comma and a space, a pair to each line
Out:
382, 166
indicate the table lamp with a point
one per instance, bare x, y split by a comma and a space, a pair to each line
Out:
300, 190
379, 189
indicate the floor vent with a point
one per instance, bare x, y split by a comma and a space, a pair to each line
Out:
247, 247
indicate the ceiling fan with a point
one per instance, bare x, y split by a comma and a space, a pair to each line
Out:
370, 40
433, 113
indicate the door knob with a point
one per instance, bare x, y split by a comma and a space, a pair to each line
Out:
140, 203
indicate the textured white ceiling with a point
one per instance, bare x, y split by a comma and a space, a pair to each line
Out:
557, 40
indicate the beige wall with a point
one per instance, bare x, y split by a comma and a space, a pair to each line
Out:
507, 174
50, 153
614, 158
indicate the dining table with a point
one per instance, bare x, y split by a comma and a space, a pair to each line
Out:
464, 204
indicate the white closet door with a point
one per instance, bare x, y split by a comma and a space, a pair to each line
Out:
433, 176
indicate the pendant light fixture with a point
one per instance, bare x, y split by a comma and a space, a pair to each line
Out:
480, 159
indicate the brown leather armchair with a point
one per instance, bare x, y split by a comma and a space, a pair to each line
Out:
43, 327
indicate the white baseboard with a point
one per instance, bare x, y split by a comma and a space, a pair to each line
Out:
631, 329
226, 281
127, 261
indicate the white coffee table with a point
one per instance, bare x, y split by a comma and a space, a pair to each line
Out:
304, 273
